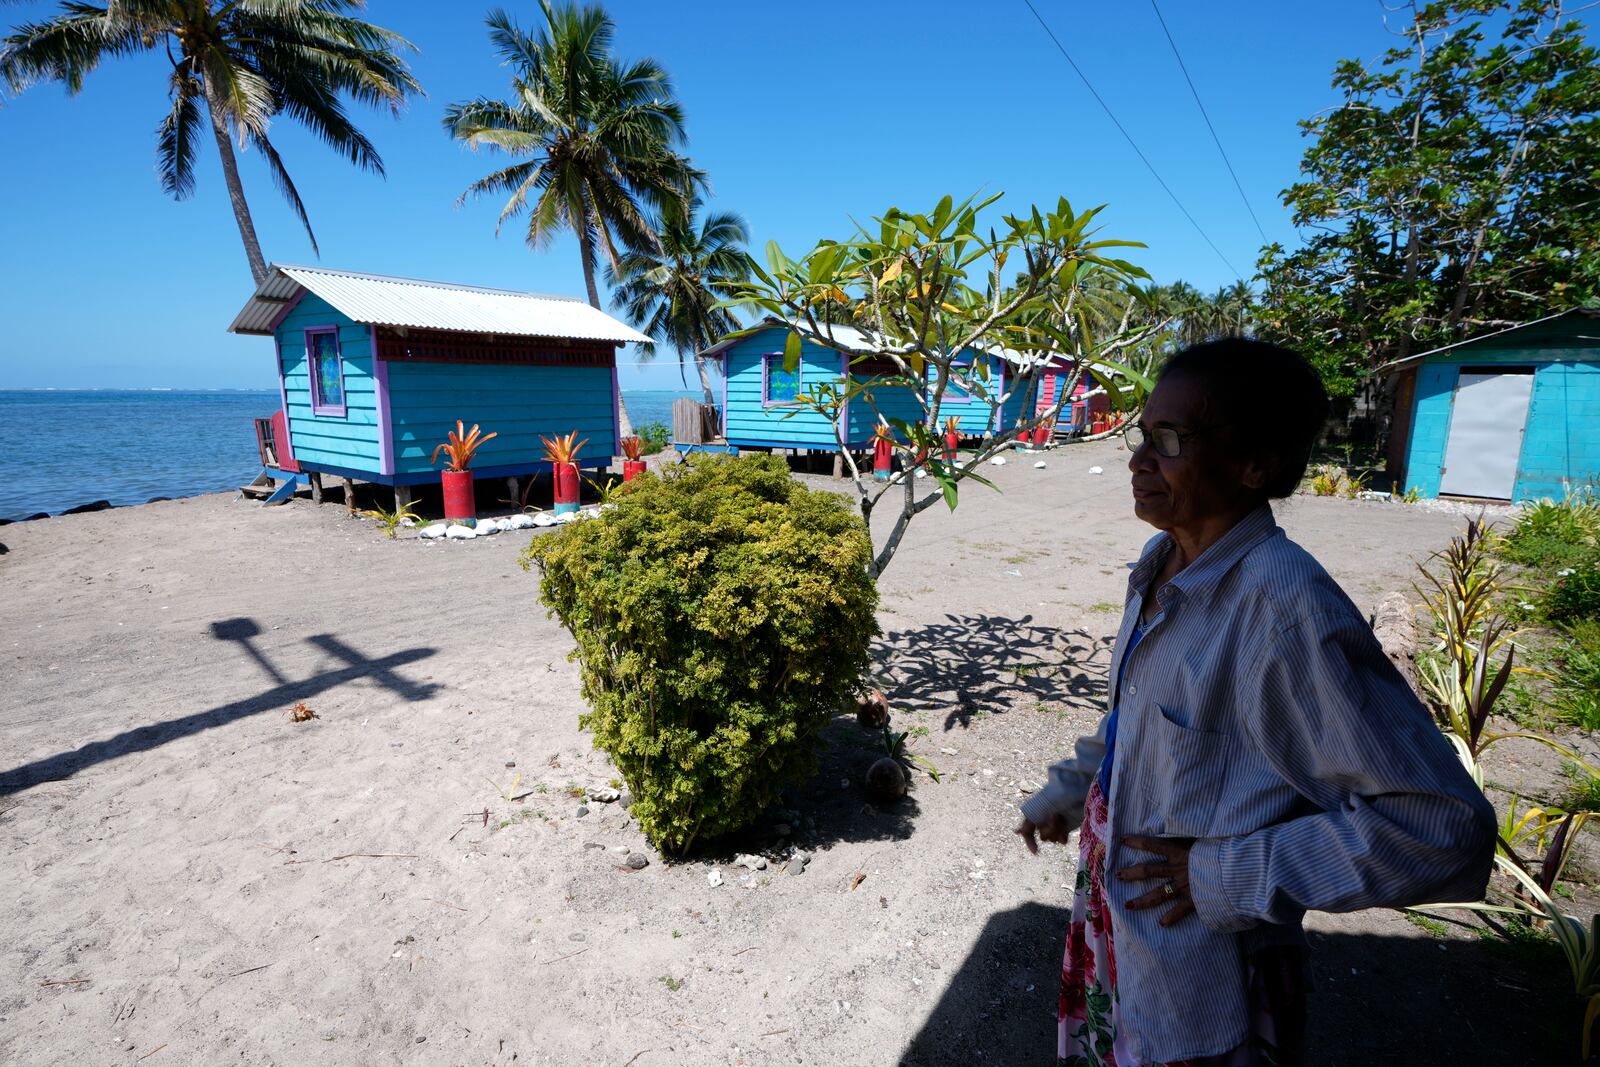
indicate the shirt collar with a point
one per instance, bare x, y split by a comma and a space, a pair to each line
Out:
1199, 580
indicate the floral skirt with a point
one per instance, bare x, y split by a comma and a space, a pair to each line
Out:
1088, 1015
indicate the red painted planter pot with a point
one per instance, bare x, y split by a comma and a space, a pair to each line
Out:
566, 479
458, 497
951, 440
882, 459
631, 469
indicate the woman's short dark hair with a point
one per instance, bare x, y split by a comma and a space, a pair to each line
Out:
1269, 396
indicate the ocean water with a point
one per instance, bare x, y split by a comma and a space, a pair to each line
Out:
62, 448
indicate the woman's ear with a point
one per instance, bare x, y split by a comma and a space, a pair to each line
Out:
1258, 471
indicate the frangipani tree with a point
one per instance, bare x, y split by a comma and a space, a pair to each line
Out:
922, 294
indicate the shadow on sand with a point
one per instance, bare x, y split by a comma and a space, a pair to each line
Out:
1376, 1000
282, 694
971, 664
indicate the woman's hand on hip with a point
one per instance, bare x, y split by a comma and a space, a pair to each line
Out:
1053, 829
1172, 869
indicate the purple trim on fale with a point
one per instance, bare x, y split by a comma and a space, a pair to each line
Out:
727, 366
799, 380
998, 419
844, 385
314, 379
616, 411
380, 381
287, 309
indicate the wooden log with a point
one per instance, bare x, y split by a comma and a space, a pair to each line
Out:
1394, 624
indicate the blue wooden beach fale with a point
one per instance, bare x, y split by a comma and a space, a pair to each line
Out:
1512, 415
759, 408
373, 372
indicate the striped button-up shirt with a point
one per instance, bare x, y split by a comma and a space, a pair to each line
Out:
1260, 717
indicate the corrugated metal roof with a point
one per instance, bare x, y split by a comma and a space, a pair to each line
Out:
1397, 364
387, 301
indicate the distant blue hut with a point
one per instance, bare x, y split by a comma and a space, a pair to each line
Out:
374, 371
759, 409
1511, 415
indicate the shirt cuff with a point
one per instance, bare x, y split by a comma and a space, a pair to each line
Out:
1038, 808
1208, 889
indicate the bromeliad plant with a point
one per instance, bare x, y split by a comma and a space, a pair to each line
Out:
564, 449
461, 445
632, 448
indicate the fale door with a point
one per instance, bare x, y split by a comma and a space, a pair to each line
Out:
1486, 428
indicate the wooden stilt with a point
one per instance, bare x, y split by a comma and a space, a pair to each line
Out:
349, 494
316, 487
838, 466
514, 487
403, 497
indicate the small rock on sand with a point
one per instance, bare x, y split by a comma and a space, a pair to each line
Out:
582, 811
754, 863
460, 533
604, 794
1039, 466
438, 529
638, 860
544, 518
795, 867
1097, 470
715, 878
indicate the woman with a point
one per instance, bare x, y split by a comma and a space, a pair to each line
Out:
1261, 757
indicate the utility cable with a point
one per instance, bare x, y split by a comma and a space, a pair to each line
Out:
1218, 140
1134, 144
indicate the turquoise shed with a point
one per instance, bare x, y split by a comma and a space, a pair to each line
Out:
1512, 415
373, 371
759, 408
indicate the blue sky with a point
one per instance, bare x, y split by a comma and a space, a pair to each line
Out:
802, 120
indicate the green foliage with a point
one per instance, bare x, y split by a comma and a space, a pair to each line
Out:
253, 63
593, 135
391, 521
1575, 593
672, 293
654, 436
1445, 194
722, 613
921, 291
1577, 676
1583, 790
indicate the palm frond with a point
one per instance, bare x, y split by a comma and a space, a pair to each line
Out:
177, 137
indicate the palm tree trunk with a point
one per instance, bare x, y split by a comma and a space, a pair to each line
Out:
230, 175
705, 380
586, 250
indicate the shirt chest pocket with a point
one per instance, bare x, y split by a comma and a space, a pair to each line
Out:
1183, 770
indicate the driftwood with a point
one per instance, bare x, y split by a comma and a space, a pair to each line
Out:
1394, 624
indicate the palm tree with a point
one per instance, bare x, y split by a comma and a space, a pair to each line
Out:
672, 294
244, 62
597, 135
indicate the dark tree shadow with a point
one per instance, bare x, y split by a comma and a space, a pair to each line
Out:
284, 693
1375, 1000
969, 664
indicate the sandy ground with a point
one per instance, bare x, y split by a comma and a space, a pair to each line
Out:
189, 877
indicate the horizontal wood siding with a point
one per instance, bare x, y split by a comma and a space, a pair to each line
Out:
977, 413
751, 424
349, 441
890, 401
519, 403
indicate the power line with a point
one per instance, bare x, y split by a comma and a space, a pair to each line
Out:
1220, 150
1132, 143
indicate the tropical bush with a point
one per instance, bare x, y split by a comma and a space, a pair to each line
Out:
1575, 594
1577, 677
654, 436
722, 614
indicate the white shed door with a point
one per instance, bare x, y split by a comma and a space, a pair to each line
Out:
1486, 426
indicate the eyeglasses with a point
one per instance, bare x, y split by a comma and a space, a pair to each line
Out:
1166, 441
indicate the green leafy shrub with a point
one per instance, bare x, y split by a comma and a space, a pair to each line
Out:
1543, 550
1577, 676
1575, 593
722, 614
653, 436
